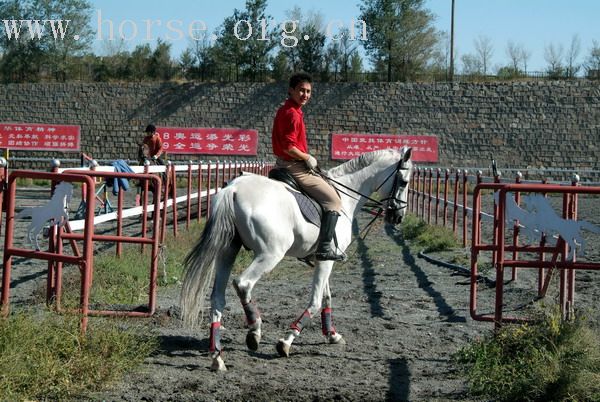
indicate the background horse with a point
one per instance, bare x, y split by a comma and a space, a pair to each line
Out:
53, 210
263, 216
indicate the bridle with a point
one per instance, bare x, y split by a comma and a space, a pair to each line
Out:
394, 204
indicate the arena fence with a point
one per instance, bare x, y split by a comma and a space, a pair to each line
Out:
441, 196
197, 182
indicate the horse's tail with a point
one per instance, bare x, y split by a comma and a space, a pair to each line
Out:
218, 234
25, 212
589, 226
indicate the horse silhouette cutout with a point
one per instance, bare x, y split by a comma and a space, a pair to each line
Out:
55, 210
539, 217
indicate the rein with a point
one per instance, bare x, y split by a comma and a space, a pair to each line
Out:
319, 172
379, 204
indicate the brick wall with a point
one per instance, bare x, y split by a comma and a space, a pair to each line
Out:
523, 124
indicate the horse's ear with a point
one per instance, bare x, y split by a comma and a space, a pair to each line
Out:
407, 153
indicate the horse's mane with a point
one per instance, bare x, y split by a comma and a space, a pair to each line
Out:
63, 189
64, 184
361, 162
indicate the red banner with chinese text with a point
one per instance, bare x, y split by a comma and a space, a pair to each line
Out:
349, 146
39, 137
209, 141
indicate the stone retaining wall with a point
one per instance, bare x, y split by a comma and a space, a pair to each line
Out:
545, 124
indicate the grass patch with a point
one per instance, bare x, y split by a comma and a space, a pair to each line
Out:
125, 280
550, 360
44, 357
29, 182
430, 238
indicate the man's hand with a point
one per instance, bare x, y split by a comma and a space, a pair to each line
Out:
154, 157
311, 162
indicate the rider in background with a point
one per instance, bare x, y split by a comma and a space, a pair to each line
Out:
291, 149
152, 146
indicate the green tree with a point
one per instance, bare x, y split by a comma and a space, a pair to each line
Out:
245, 39
311, 50
114, 62
21, 56
400, 35
305, 42
55, 46
355, 67
339, 52
592, 63
139, 62
187, 63
65, 50
160, 63
281, 67
203, 59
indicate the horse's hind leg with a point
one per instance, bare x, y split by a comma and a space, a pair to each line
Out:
223, 265
243, 285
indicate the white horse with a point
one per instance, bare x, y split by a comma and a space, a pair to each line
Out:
263, 216
54, 210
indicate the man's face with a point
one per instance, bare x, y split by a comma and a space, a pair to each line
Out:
301, 93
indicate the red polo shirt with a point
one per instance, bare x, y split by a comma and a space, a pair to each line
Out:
288, 130
154, 143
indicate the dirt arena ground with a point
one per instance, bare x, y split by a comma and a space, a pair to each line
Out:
402, 317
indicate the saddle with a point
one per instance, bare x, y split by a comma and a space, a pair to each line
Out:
311, 209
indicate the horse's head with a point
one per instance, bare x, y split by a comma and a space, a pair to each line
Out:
394, 191
64, 192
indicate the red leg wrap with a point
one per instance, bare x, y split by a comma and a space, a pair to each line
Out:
252, 313
327, 321
215, 337
302, 322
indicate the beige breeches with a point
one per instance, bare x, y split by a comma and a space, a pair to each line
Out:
314, 185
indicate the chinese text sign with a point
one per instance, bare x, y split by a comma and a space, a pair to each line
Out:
39, 137
210, 141
349, 146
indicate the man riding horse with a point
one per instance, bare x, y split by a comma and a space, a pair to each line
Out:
291, 148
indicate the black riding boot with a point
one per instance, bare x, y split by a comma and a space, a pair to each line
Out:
324, 250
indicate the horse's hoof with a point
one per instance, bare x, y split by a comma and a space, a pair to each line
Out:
336, 339
283, 348
218, 364
253, 340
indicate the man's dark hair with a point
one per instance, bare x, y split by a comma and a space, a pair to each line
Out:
150, 128
299, 78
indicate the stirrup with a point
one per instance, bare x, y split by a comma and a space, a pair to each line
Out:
330, 255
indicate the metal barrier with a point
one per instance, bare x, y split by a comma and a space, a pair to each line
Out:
430, 200
209, 178
559, 252
83, 260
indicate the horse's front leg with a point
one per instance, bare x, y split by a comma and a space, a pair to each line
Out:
327, 320
320, 281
